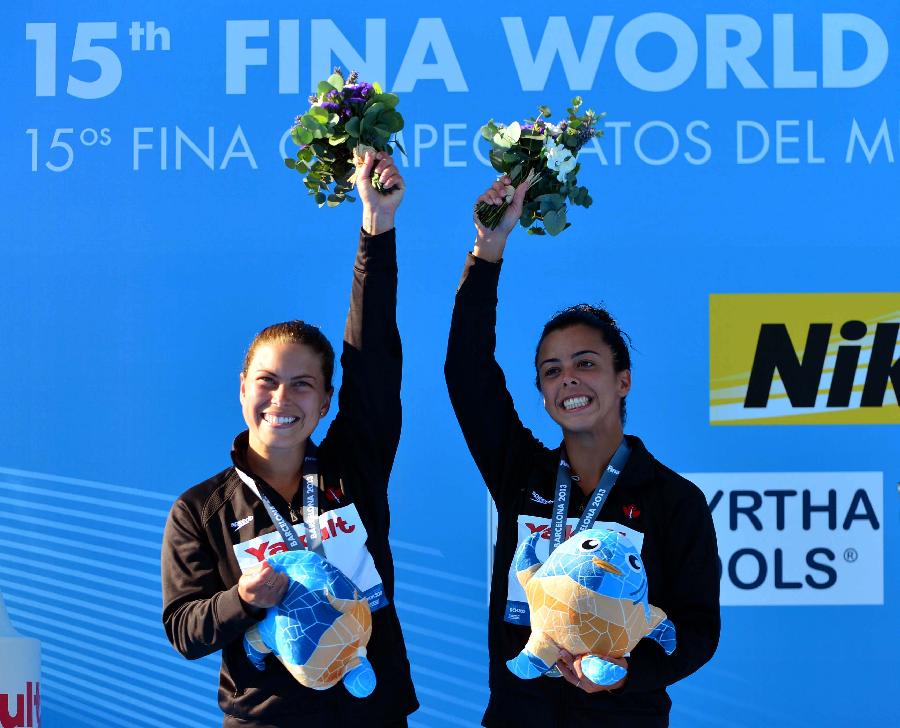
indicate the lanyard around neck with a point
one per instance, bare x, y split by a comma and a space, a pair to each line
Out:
310, 477
598, 498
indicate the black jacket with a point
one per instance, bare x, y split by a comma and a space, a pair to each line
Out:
679, 543
202, 611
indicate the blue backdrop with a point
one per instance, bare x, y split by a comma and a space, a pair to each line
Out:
152, 229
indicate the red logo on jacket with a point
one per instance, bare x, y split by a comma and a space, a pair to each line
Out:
631, 511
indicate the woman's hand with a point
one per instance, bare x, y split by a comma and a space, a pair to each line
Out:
489, 244
379, 209
263, 588
570, 667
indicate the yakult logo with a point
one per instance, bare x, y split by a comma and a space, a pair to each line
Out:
21, 710
544, 530
261, 551
797, 538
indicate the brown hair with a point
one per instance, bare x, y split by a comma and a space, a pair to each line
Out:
295, 332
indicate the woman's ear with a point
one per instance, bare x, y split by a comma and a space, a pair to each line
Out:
624, 382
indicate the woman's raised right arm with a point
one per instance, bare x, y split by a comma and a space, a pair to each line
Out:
484, 408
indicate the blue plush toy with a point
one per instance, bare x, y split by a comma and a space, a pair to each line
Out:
320, 629
589, 598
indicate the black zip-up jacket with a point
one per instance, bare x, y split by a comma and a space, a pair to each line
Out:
202, 611
679, 542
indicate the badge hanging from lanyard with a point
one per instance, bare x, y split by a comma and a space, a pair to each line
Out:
598, 498
310, 510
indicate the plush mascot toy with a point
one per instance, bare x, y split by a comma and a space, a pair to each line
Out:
320, 629
589, 598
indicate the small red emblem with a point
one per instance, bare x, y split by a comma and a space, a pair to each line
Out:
333, 494
631, 510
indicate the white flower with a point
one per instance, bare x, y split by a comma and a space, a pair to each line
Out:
559, 159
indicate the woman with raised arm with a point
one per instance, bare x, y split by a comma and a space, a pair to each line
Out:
216, 581
583, 372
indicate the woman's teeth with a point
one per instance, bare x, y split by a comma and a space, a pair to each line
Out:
276, 420
575, 402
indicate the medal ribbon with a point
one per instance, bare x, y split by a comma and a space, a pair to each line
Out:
598, 498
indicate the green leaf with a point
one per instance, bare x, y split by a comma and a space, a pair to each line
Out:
554, 200
335, 140
320, 199
513, 132
555, 221
389, 100
496, 158
324, 87
536, 231
312, 125
545, 111
374, 108
334, 200
290, 163
382, 131
319, 114
392, 120
352, 126
305, 154
301, 168
576, 102
501, 141
488, 130
301, 136
336, 81
377, 88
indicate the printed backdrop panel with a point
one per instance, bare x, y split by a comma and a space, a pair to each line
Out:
744, 192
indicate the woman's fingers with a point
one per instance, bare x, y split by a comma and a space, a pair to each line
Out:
263, 588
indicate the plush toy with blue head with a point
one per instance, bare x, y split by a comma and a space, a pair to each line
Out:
589, 598
320, 629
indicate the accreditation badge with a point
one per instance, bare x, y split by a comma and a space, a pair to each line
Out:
343, 541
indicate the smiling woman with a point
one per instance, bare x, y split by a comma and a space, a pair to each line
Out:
583, 371
285, 493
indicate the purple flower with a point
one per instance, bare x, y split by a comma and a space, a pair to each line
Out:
358, 91
329, 106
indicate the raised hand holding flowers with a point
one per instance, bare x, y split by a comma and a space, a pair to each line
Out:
544, 155
346, 120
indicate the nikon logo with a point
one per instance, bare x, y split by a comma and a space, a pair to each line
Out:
805, 359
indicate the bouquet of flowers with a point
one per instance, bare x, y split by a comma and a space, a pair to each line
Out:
545, 156
346, 120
